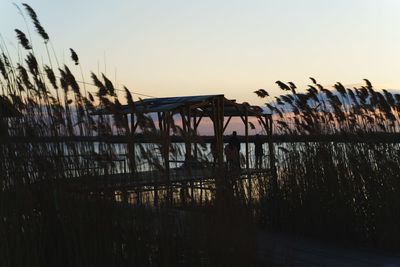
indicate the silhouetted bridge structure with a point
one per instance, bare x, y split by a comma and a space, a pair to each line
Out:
188, 112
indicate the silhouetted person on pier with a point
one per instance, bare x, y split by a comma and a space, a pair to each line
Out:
230, 156
258, 150
234, 145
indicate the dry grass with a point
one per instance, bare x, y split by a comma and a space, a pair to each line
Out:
46, 219
340, 190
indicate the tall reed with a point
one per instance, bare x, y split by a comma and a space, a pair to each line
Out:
51, 210
346, 188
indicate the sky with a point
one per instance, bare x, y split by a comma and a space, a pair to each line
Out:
181, 47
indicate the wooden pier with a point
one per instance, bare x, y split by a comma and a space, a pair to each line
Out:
189, 111
161, 122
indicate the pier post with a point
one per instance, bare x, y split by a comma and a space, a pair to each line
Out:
223, 191
246, 133
271, 149
164, 122
131, 147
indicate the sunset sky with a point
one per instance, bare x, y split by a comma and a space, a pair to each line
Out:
181, 47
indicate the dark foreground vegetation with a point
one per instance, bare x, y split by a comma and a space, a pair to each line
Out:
51, 217
82, 232
347, 189
340, 190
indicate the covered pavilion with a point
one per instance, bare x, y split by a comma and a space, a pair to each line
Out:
191, 110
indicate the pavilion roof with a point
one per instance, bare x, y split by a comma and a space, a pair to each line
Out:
201, 103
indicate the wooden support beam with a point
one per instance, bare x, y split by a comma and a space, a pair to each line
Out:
134, 128
160, 116
165, 144
210, 115
164, 122
274, 184
246, 133
131, 147
236, 106
202, 104
167, 126
187, 132
218, 122
196, 124
186, 127
226, 124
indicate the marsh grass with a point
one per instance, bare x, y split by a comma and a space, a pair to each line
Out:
345, 189
48, 217
340, 190
99, 233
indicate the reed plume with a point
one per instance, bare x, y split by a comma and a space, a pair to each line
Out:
74, 56
23, 40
